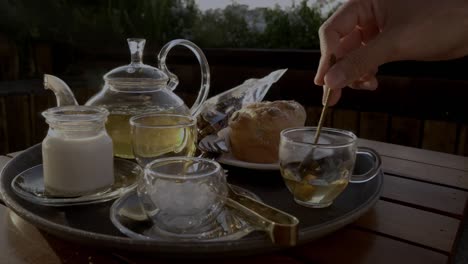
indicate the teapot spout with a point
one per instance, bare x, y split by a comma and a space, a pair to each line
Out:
62, 92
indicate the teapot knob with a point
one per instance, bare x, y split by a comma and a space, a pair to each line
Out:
136, 46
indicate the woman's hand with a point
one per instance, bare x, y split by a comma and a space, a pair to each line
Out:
365, 34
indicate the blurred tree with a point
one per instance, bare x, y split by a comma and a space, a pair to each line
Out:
101, 22
226, 28
296, 27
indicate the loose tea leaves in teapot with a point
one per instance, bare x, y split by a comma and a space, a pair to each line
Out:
216, 111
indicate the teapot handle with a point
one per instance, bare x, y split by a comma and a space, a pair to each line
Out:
174, 81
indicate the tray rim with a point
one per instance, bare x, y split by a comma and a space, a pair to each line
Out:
243, 247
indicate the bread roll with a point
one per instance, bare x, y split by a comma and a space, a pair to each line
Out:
256, 128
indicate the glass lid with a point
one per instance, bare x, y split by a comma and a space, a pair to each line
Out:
136, 71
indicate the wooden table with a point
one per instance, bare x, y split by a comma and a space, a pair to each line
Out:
418, 219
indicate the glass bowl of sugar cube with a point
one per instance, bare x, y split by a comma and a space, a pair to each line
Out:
182, 195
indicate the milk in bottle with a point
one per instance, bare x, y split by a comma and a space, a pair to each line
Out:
77, 151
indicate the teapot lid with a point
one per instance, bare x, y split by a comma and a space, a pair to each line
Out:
136, 71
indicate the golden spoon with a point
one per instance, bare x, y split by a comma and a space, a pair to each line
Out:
306, 164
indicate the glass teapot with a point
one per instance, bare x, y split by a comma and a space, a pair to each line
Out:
137, 88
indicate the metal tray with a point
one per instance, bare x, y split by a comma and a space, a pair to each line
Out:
91, 225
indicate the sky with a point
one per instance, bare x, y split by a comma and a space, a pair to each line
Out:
207, 4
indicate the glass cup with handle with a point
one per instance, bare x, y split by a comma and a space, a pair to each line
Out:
156, 135
331, 168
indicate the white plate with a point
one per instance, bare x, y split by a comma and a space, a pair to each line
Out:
229, 159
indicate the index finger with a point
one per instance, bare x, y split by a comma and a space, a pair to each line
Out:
351, 14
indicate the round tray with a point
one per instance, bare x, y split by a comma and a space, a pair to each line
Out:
91, 224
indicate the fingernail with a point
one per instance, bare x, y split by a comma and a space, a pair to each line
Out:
335, 79
369, 85
317, 80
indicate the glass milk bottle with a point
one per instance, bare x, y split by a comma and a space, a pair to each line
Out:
77, 151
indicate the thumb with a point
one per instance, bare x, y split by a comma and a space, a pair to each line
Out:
357, 63
333, 98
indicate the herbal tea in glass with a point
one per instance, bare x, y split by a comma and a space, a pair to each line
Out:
158, 135
118, 126
330, 171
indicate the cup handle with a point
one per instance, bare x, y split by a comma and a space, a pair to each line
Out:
174, 81
369, 165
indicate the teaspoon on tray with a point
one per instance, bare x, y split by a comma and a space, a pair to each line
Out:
280, 226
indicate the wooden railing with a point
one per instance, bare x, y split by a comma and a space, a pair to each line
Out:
417, 104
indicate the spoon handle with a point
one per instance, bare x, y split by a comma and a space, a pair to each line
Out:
308, 160
325, 105
322, 115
